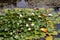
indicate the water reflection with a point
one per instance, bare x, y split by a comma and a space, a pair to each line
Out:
22, 4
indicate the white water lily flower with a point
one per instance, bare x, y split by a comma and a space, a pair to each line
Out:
39, 16
29, 19
32, 24
11, 33
50, 15
21, 15
29, 28
27, 25
33, 14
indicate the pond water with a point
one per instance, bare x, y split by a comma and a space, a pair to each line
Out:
58, 28
22, 4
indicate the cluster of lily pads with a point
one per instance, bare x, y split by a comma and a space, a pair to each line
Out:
25, 24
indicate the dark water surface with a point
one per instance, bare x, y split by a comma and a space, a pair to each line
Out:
58, 28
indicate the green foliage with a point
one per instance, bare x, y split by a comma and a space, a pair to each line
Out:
55, 17
57, 39
23, 24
